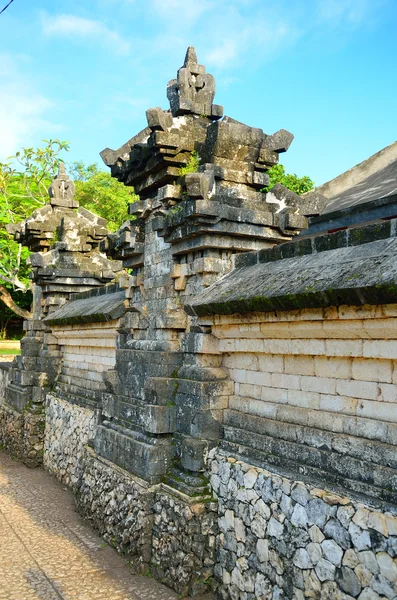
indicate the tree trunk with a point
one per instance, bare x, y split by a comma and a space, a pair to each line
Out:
6, 297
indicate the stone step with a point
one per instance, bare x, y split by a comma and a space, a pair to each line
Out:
300, 457
374, 452
187, 483
316, 476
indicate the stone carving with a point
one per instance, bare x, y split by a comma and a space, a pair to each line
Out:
62, 190
193, 91
200, 181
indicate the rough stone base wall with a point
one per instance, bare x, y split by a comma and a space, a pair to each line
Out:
183, 543
283, 539
170, 537
68, 428
119, 506
22, 435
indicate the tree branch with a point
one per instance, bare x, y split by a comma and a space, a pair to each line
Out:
14, 281
6, 297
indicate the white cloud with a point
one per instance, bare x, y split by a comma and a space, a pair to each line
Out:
222, 54
229, 34
185, 12
351, 13
77, 27
236, 35
24, 108
224, 33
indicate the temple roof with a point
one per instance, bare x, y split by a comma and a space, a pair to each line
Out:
354, 267
96, 307
363, 194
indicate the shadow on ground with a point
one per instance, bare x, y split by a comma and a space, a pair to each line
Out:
48, 552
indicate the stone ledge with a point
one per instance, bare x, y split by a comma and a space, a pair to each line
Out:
93, 309
352, 275
330, 241
6, 365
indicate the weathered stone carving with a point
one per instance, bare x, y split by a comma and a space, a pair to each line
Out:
193, 91
62, 190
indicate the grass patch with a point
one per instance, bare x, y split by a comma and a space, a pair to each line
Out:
6, 351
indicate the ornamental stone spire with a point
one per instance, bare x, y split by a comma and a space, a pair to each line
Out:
62, 190
193, 91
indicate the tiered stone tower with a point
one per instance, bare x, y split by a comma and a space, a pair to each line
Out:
167, 392
65, 241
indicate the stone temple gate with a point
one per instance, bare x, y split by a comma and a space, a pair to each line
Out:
216, 381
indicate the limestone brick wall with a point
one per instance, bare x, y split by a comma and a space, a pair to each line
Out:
340, 360
87, 351
316, 389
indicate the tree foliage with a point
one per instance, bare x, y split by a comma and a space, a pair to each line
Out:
299, 185
79, 171
102, 194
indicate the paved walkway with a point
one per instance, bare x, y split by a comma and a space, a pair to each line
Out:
48, 552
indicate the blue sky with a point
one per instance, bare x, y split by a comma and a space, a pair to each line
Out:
87, 71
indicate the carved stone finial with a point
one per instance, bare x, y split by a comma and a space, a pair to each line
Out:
62, 189
193, 91
191, 56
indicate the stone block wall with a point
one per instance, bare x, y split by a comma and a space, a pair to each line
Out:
118, 505
11, 425
161, 531
183, 542
4, 378
21, 434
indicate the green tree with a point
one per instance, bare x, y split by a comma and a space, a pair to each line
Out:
102, 194
299, 185
79, 171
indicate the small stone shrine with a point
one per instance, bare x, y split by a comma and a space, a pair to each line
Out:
64, 241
